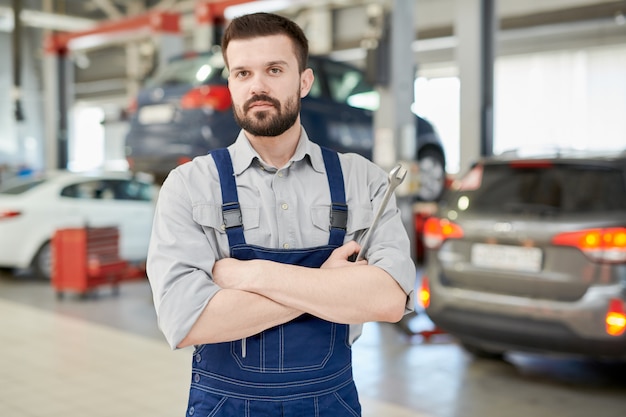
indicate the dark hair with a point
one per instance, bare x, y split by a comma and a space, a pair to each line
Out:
267, 24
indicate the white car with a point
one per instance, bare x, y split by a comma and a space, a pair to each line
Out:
33, 208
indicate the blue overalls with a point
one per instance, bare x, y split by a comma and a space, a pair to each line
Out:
301, 368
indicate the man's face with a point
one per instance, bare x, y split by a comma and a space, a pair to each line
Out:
265, 84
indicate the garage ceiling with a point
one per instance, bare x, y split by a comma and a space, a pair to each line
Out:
513, 13
525, 27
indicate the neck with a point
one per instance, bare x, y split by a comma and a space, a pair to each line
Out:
276, 150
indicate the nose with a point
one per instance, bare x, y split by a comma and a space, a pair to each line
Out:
259, 85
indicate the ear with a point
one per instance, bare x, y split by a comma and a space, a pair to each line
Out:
306, 81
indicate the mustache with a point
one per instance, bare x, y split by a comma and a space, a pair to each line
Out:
261, 97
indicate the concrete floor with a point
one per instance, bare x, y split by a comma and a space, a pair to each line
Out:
399, 373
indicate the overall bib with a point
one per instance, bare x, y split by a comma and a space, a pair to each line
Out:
301, 368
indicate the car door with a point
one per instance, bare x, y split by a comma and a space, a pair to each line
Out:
337, 113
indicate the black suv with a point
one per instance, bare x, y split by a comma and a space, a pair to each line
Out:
529, 254
185, 111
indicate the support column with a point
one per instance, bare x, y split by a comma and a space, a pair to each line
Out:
65, 103
58, 79
133, 57
50, 92
475, 29
168, 37
320, 30
394, 122
204, 36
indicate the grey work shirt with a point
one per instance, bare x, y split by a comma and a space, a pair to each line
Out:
285, 208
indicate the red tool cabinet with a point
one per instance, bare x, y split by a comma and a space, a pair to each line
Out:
86, 258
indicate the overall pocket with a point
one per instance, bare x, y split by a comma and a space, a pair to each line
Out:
304, 344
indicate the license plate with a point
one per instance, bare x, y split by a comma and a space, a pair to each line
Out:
515, 258
159, 113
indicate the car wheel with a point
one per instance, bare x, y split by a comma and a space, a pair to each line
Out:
432, 173
482, 353
42, 262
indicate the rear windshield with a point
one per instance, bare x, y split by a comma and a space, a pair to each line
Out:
195, 70
545, 188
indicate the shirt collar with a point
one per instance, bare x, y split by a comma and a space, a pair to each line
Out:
244, 154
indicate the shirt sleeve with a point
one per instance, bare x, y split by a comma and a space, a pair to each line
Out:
389, 244
180, 258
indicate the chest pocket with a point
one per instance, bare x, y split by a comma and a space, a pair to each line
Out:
209, 216
359, 219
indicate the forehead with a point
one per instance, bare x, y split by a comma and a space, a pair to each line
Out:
260, 51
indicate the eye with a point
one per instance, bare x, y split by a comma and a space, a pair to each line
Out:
275, 70
241, 74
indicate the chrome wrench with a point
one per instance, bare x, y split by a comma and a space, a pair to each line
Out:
396, 176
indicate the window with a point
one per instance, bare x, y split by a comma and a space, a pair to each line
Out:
347, 85
561, 188
110, 189
195, 69
86, 190
132, 190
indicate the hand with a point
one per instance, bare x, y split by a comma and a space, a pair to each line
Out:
340, 256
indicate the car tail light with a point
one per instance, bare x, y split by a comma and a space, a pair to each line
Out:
132, 106
183, 160
437, 230
423, 297
8, 214
602, 245
214, 96
470, 181
615, 318
533, 164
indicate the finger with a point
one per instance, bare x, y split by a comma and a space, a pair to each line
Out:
350, 248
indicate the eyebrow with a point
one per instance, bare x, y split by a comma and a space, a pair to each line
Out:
267, 64
273, 63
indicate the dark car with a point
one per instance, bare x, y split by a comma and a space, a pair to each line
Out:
185, 111
529, 254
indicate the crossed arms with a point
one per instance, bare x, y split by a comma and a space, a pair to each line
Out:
251, 299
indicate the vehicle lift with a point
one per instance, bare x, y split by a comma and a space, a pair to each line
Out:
162, 27
93, 269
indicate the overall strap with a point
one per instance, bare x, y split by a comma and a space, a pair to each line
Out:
231, 211
339, 208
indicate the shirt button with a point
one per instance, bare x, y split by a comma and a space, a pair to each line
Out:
285, 245
192, 411
196, 378
280, 174
284, 206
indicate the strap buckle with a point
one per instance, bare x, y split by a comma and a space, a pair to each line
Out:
339, 216
231, 215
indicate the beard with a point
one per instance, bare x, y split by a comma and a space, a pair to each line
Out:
263, 123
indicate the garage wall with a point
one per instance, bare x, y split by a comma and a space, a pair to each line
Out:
102, 81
